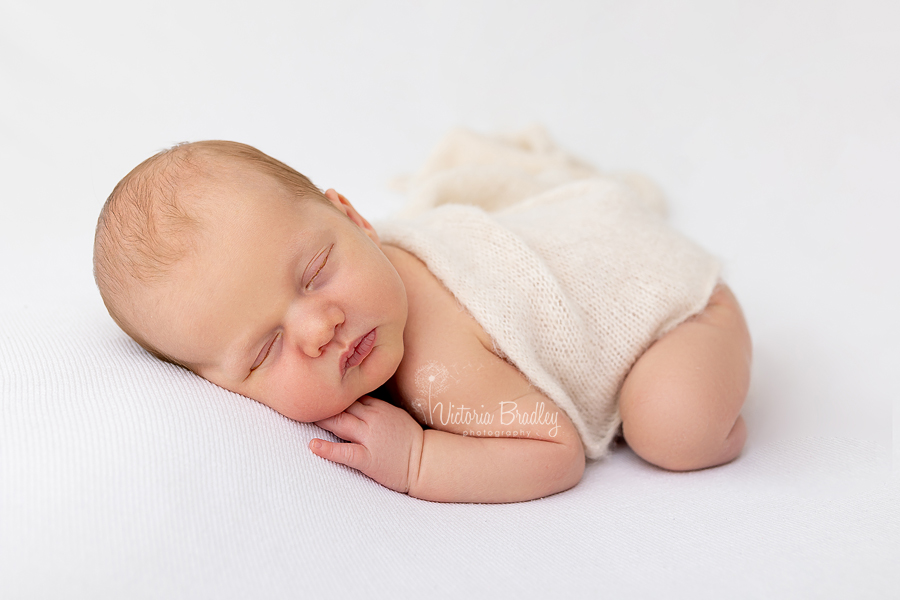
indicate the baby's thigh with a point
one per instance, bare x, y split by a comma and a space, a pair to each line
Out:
681, 402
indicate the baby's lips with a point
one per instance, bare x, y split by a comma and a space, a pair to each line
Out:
359, 351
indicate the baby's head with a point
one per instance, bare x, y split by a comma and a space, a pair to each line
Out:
219, 258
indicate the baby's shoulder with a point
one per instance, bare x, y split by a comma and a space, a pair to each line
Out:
451, 378
439, 330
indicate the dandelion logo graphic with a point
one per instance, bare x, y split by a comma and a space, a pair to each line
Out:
431, 379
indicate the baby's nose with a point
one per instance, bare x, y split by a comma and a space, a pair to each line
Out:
320, 331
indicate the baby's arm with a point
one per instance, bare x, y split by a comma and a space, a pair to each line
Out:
389, 446
457, 468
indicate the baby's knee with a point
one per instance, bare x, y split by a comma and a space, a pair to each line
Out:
715, 447
677, 444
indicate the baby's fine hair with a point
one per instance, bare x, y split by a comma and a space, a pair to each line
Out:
147, 224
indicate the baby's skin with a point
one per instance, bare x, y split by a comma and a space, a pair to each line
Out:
300, 306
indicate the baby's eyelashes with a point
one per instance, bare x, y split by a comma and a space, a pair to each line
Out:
319, 262
264, 353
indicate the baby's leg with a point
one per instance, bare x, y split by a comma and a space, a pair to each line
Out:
681, 402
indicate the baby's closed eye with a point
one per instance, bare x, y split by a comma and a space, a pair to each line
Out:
318, 263
264, 353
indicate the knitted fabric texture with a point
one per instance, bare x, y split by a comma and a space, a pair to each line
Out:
572, 284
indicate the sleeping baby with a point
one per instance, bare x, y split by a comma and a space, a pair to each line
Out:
522, 312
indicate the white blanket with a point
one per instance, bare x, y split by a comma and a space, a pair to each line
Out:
773, 126
573, 275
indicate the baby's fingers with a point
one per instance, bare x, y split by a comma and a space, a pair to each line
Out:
344, 425
352, 455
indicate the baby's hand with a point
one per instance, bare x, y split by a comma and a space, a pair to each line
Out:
386, 443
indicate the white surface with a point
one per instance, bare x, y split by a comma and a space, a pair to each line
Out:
774, 128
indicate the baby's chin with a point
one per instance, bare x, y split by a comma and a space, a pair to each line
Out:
311, 414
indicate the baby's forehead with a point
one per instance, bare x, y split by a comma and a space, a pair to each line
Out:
213, 187
234, 207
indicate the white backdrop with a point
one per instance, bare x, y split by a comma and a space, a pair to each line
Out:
773, 127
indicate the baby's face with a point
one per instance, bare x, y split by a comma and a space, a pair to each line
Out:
292, 304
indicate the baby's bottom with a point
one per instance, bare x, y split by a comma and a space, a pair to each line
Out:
681, 402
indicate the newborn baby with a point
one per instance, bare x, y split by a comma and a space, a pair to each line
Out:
221, 259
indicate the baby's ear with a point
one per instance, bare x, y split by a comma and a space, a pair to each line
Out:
342, 204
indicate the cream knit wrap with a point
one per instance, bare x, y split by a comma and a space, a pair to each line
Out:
572, 273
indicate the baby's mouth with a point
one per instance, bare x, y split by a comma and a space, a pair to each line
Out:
358, 352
